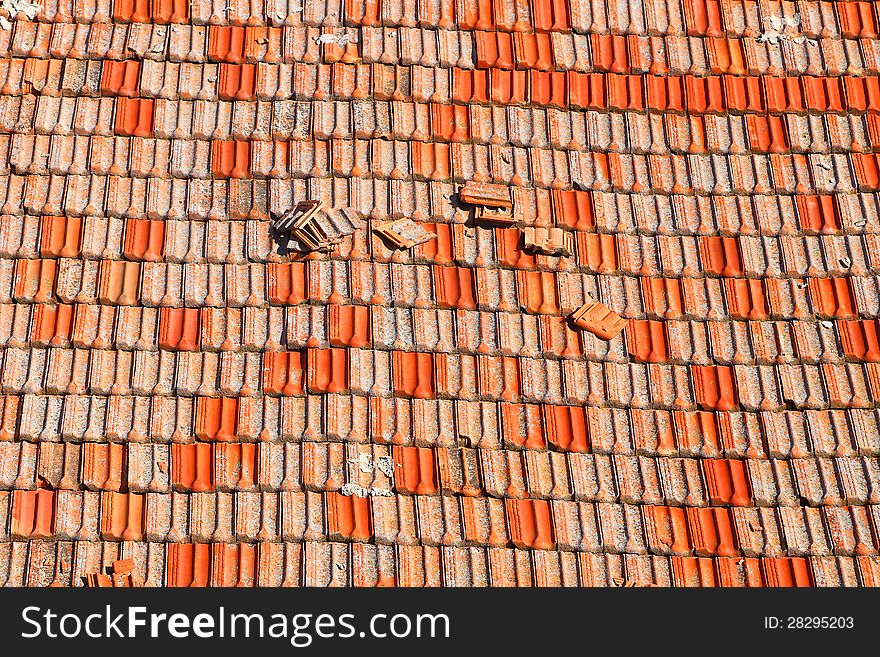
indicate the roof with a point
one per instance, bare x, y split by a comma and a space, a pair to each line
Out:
179, 394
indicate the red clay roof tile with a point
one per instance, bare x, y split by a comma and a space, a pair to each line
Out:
533, 51
494, 50
227, 43
551, 15
236, 465
726, 56
861, 339
104, 466
609, 53
728, 482
559, 337
625, 92
704, 17
136, 11
431, 160
473, 14
704, 95
52, 324
413, 375
348, 53
119, 282
666, 529
170, 11
663, 297
767, 134
746, 299
187, 564
33, 514
862, 94
818, 213
234, 564
574, 209
598, 319
367, 12
122, 516
134, 117
548, 88
454, 287
587, 90
666, 93
695, 571
783, 95
647, 341
61, 237
327, 370
531, 524
35, 280
597, 252
144, 239
523, 425
566, 427
231, 159
509, 249
180, 329
450, 122
833, 297
786, 571
743, 94
415, 471
537, 292
508, 87
711, 532
237, 81
721, 256
192, 467
857, 20
824, 94
349, 326
121, 576
440, 249
349, 518
288, 283
715, 387
499, 377
121, 78
216, 418
283, 373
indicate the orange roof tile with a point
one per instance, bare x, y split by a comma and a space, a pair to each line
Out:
134, 117
121, 78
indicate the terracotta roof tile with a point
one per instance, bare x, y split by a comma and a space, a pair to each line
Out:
33, 514
348, 517
121, 78
134, 117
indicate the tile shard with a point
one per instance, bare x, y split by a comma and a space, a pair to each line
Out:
121, 575
486, 194
491, 202
598, 319
403, 233
548, 241
308, 226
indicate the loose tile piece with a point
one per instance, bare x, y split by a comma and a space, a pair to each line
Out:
403, 233
598, 319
